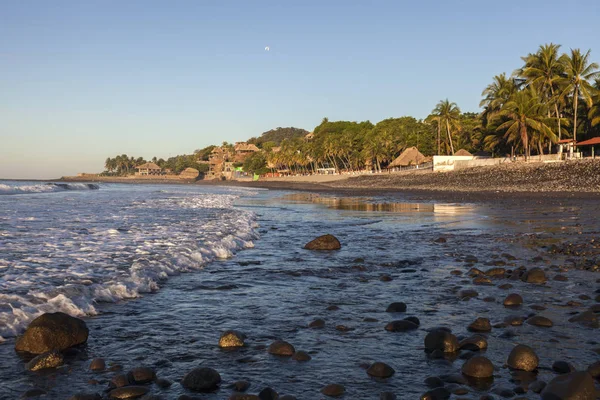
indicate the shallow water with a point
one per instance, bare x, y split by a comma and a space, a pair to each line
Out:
274, 289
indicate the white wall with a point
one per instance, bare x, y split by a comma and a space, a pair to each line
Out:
446, 163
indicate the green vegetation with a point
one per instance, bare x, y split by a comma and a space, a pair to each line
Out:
123, 165
277, 135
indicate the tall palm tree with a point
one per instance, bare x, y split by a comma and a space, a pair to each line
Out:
495, 95
594, 114
578, 74
525, 113
543, 71
449, 115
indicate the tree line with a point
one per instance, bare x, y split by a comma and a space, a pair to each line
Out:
123, 165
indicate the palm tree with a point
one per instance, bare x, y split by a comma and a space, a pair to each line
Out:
496, 94
543, 71
522, 113
594, 114
449, 115
578, 73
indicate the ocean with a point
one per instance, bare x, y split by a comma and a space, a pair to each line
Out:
158, 272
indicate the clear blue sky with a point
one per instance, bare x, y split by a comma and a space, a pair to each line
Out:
83, 80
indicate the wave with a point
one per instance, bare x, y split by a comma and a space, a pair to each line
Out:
45, 188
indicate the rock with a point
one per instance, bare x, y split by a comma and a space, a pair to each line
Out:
243, 396
467, 294
97, 365
396, 307
436, 394
35, 392
119, 381
562, 367
325, 242
333, 308
128, 392
414, 320
538, 320
281, 348
496, 272
287, 397
537, 386
513, 300
594, 370
482, 280
301, 356
141, 375
560, 278
480, 325
52, 331
534, 275
474, 343
240, 386
433, 382
231, 339
478, 367
380, 370
268, 394
52, 359
586, 318
86, 396
523, 358
513, 320
317, 324
440, 240
387, 396
505, 286
572, 386
475, 272
202, 380
441, 340
343, 328
401, 326
163, 383
385, 278
333, 390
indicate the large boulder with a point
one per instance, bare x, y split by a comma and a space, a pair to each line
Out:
325, 242
523, 358
52, 331
573, 386
202, 380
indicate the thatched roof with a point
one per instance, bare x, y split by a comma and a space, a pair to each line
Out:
462, 152
410, 156
190, 173
245, 147
148, 165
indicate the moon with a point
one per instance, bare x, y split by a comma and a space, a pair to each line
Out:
267, 48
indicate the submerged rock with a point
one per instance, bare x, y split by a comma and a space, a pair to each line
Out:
396, 307
231, 338
572, 386
301, 356
586, 318
380, 370
141, 375
534, 275
513, 300
51, 359
333, 390
281, 348
478, 367
98, 364
523, 358
202, 380
480, 325
441, 340
325, 242
52, 331
128, 392
474, 343
86, 396
401, 326
538, 320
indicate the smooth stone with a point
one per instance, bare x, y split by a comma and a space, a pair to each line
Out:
401, 326
240, 386
325, 242
475, 272
474, 343
98, 364
396, 307
436, 394
534, 275
387, 396
523, 358
495, 272
163, 383
128, 392
301, 356
385, 278
478, 367
86, 396
513, 320
513, 300
560, 278
414, 320
232, 338
586, 318
281, 348
480, 325
52, 331
380, 370
317, 323
482, 280
538, 320
467, 294
333, 390
268, 394
537, 386
572, 386
505, 286
562, 367
35, 392
201, 380
119, 381
594, 370
433, 382
141, 375
441, 340
51, 359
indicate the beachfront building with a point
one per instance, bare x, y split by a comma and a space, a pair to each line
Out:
222, 159
595, 141
409, 157
148, 168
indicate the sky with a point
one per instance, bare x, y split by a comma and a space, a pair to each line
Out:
84, 80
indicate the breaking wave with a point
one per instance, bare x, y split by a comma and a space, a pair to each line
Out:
45, 188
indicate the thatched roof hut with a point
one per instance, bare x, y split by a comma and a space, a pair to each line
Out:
189, 173
148, 168
463, 152
410, 156
242, 147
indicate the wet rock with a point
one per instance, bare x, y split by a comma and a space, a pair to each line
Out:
380, 370
317, 324
496, 272
325, 242
119, 381
537, 386
505, 286
594, 370
268, 394
433, 382
396, 307
301, 356
575, 386
333, 308
141, 375
201, 380
333, 390
343, 328
441, 340
52, 359
586, 318
287, 397
163, 383
52, 331
467, 294
504, 392
513, 320
281, 348
35, 392
538, 320
387, 396
97, 365
537, 307
231, 338
513, 300
401, 326
489, 299
128, 392
482, 280
534, 275
478, 367
456, 272
560, 278
475, 272
414, 320
523, 358
240, 386
480, 325
562, 367
440, 240
436, 394
385, 278
86, 396
474, 343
